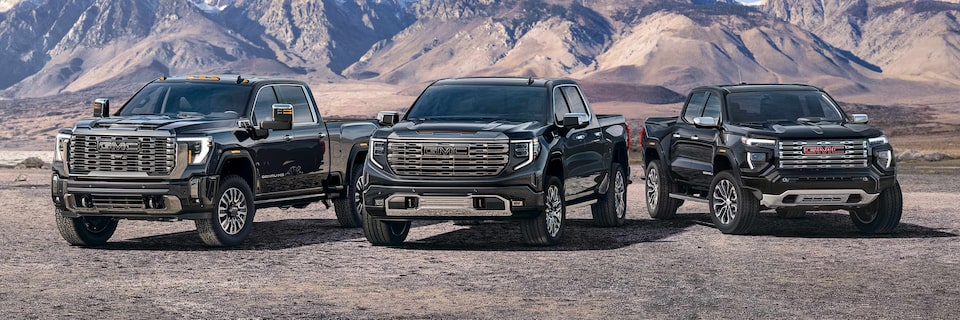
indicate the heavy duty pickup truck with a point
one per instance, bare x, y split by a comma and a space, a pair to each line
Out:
495, 149
744, 148
212, 149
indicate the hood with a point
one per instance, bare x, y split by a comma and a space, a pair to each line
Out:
157, 122
811, 131
495, 129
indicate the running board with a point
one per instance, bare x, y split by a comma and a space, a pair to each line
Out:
688, 198
582, 204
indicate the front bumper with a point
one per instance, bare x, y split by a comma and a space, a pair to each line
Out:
150, 200
819, 189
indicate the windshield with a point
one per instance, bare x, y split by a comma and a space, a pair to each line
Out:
189, 100
481, 102
759, 108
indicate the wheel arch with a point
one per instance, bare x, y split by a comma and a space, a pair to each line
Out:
240, 163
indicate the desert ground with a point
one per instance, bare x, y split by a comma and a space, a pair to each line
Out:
299, 263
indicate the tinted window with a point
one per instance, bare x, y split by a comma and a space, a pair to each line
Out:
695, 106
575, 100
560, 104
481, 102
263, 107
781, 106
712, 109
294, 95
186, 99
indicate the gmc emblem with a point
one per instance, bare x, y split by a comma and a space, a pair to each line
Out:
443, 151
119, 146
823, 150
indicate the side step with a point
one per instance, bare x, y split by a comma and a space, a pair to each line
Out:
688, 198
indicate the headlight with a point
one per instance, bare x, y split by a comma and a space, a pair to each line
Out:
197, 148
378, 148
756, 160
758, 142
881, 140
885, 159
526, 149
60, 149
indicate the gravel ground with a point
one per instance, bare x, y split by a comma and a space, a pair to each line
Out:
299, 263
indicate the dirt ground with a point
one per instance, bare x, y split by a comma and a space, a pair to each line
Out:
299, 263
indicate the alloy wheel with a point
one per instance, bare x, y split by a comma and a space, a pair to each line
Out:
725, 201
232, 211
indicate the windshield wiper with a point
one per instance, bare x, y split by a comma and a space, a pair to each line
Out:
188, 114
753, 123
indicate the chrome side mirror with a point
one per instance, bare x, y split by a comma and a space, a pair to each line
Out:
705, 122
388, 118
860, 118
282, 118
576, 120
101, 108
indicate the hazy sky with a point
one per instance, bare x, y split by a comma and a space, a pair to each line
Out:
749, 1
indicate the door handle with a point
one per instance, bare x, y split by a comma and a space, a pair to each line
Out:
322, 135
579, 137
288, 138
676, 135
694, 138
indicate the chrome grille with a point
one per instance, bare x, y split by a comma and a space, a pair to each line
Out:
117, 202
827, 154
443, 159
152, 155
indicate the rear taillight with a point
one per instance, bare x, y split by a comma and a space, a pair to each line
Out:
628, 136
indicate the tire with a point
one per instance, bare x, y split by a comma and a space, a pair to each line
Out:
384, 233
349, 206
546, 228
733, 209
85, 231
881, 216
658, 189
790, 213
231, 219
611, 209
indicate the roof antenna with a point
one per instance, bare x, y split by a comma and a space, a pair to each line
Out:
529, 81
239, 79
740, 75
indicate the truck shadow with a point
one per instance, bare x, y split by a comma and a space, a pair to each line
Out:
579, 235
824, 225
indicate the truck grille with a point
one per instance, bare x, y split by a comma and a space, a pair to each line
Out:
442, 159
830, 154
153, 155
117, 202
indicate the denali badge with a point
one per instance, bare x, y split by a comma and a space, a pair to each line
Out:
823, 150
119, 146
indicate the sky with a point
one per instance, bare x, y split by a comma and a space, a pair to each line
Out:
750, 2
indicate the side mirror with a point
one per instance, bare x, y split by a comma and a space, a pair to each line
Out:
282, 118
388, 118
576, 120
705, 122
860, 118
101, 108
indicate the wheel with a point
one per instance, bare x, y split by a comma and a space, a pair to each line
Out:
881, 216
611, 209
231, 220
85, 231
348, 208
732, 208
384, 233
790, 213
546, 228
659, 186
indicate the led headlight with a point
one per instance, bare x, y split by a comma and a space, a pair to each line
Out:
526, 149
884, 158
876, 141
198, 148
756, 159
60, 149
378, 148
758, 142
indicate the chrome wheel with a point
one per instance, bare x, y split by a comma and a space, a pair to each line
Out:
232, 211
620, 190
358, 194
653, 187
725, 201
554, 214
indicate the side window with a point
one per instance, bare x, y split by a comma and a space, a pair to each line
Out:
575, 100
560, 104
713, 107
263, 107
694, 107
301, 108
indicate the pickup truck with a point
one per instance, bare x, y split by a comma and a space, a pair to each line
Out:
471, 149
212, 149
745, 148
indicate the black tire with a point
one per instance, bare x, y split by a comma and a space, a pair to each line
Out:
881, 216
658, 188
732, 208
85, 231
790, 213
231, 218
349, 206
547, 227
611, 209
384, 233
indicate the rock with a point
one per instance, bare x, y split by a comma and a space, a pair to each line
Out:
908, 155
20, 178
33, 162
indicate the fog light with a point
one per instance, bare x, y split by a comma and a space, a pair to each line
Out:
378, 202
756, 159
516, 203
884, 159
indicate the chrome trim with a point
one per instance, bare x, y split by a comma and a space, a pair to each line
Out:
171, 206
819, 197
447, 206
483, 158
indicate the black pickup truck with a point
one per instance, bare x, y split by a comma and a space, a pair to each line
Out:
495, 149
744, 148
211, 149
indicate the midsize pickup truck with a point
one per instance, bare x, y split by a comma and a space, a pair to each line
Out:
745, 148
212, 149
495, 149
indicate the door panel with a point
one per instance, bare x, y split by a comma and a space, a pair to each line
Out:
584, 155
306, 146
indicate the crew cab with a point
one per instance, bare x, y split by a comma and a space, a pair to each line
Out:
520, 149
212, 149
745, 148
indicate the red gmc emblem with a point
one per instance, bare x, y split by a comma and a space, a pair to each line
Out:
823, 150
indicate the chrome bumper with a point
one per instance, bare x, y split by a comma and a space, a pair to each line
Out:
444, 206
171, 205
821, 197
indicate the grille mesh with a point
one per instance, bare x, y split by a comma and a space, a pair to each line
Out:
802, 154
153, 155
441, 159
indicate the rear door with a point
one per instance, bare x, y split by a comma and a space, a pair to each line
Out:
583, 158
306, 170
687, 152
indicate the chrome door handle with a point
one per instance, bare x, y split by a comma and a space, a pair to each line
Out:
288, 138
694, 138
322, 135
676, 135
579, 137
